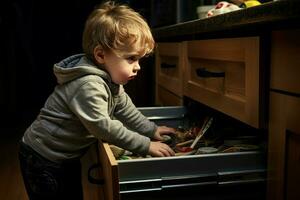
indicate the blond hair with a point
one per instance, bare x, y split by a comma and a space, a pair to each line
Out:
117, 28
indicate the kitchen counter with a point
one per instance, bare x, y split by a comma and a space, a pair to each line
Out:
276, 15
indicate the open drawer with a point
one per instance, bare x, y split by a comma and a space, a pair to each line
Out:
171, 177
224, 74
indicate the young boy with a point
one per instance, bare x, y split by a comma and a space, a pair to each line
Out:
89, 103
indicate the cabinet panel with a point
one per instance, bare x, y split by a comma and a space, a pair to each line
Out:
285, 62
292, 171
91, 191
169, 68
284, 131
167, 98
224, 74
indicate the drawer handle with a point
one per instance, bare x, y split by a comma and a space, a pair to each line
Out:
167, 66
92, 179
202, 72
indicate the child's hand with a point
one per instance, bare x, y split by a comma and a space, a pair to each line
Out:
159, 149
163, 130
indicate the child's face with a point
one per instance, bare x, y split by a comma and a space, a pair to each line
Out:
122, 69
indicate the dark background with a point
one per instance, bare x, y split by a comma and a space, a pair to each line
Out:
34, 36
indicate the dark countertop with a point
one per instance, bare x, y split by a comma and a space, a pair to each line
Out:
284, 14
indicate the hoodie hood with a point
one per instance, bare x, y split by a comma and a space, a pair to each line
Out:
75, 67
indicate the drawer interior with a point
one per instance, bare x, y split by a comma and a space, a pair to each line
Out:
220, 168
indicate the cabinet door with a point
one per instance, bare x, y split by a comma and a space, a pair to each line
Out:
225, 74
284, 147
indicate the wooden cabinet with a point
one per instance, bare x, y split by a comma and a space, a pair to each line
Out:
284, 128
91, 191
285, 61
284, 147
224, 74
169, 72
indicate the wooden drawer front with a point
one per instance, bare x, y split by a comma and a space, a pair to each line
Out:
109, 171
167, 98
168, 67
224, 74
285, 61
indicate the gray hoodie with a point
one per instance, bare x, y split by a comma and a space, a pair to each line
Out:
85, 106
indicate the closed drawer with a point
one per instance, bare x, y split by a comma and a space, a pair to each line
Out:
224, 74
169, 67
167, 175
285, 62
165, 97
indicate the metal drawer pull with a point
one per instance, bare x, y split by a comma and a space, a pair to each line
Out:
167, 66
202, 72
99, 181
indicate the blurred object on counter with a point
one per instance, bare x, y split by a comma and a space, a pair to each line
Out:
248, 3
202, 10
251, 3
237, 2
221, 8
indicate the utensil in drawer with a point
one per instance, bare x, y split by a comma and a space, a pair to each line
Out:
207, 123
206, 150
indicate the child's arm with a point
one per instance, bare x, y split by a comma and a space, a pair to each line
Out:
127, 112
90, 104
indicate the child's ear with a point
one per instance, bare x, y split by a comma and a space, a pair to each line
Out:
99, 54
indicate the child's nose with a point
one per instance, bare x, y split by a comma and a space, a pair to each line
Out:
136, 68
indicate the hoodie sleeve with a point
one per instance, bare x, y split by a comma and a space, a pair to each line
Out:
127, 113
90, 105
